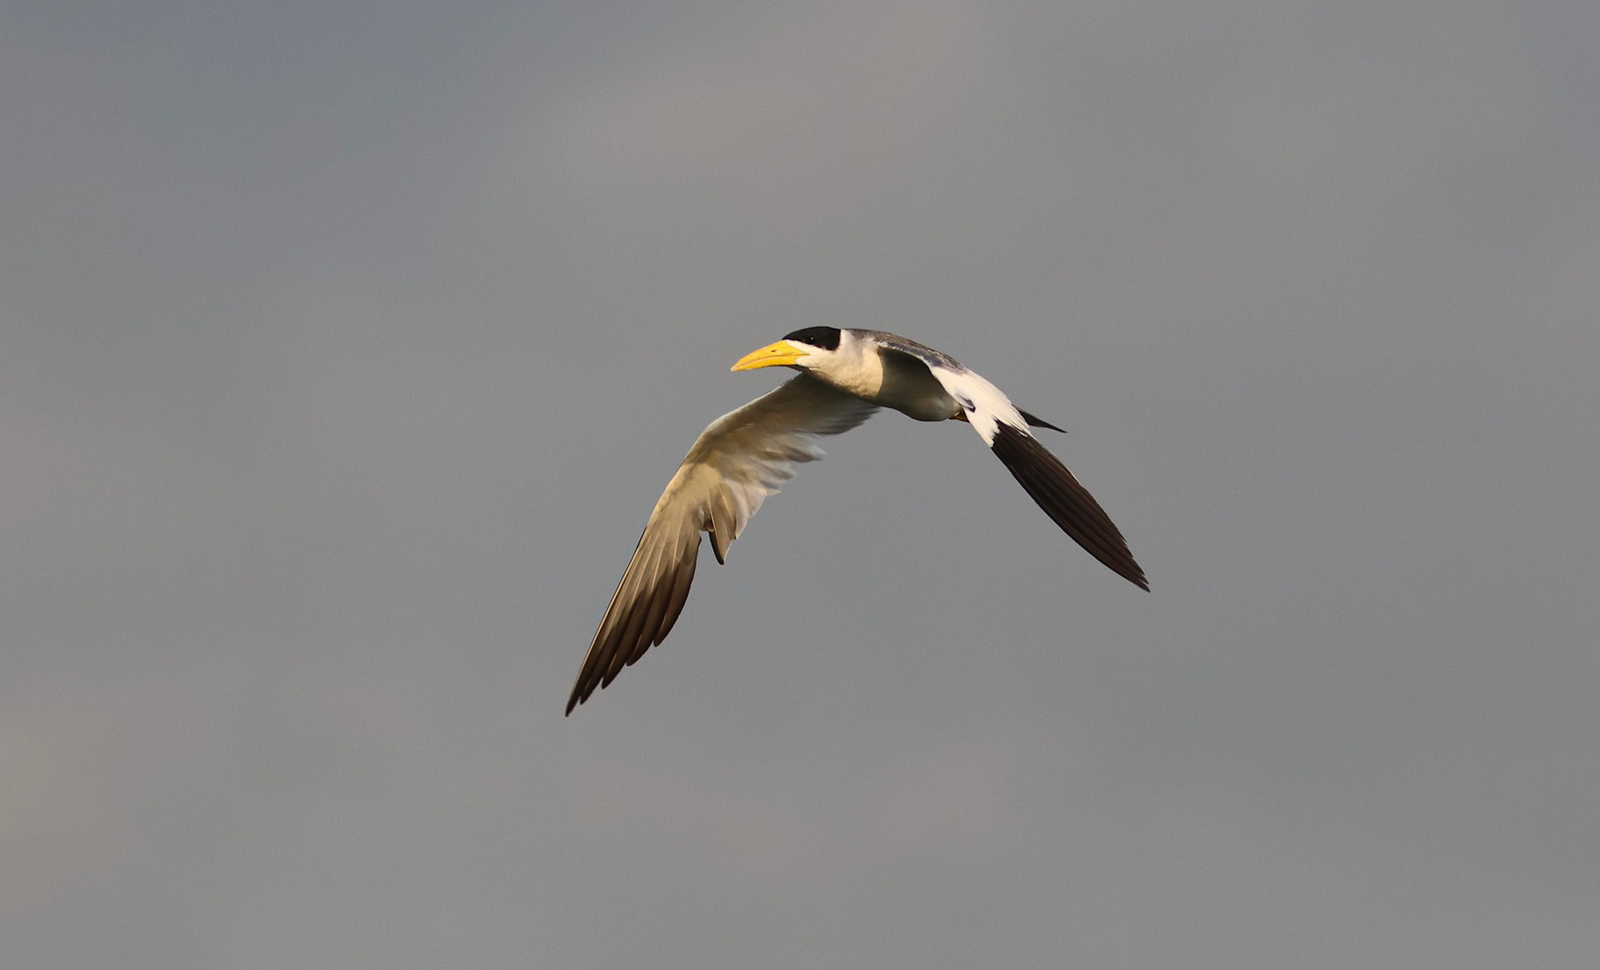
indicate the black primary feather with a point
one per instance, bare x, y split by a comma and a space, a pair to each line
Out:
1067, 502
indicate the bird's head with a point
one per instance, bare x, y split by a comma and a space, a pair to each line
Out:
802, 350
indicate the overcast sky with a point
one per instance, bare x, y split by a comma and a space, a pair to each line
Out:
345, 346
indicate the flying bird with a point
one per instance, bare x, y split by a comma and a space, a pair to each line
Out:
742, 457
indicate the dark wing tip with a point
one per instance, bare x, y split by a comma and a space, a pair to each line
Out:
1048, 482
1039, 422
643, 610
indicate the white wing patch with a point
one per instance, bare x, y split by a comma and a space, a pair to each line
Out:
985, 405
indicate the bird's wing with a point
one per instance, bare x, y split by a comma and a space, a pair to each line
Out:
1068, 503
740, 459
1042, 475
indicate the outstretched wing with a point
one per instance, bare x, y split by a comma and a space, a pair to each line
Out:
740, 459
1042, 475
1068, 503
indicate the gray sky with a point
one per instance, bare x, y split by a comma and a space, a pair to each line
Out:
344, 348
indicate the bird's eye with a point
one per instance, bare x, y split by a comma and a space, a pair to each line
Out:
823, 338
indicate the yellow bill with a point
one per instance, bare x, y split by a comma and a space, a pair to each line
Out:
779, 354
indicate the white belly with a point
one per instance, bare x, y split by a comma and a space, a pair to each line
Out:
914, 392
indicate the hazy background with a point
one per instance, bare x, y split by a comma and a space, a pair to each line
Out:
347, 345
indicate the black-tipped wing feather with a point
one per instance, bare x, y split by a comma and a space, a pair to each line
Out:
1067, 502
738, 461
1039, 422
643, 609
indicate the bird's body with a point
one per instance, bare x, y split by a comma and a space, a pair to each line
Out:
865, 363
741, 458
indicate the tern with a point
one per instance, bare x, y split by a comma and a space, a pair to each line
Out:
743, 456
